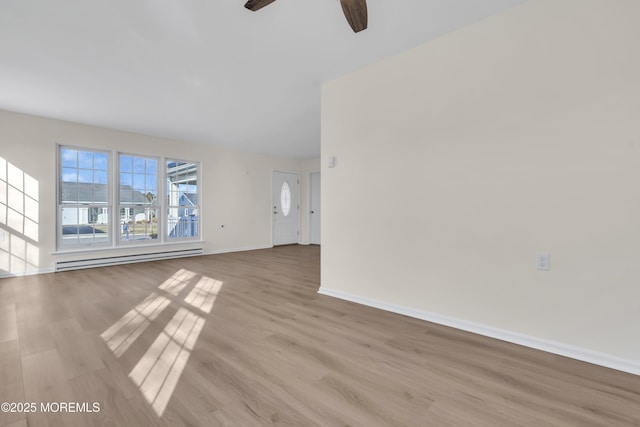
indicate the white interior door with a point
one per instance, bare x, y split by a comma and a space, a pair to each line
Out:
286, 208
314, 207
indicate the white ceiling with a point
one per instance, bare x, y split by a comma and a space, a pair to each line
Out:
206, 71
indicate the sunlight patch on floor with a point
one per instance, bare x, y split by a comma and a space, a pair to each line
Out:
204, 294
158, 371
177, 282
125, 331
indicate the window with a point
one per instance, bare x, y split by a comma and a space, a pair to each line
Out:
182, 199
138, 198
84, 203
285, 198
104, 205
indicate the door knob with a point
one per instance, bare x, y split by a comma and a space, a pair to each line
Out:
312, 212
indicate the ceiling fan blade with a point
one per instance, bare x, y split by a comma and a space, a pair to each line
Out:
257, 4
356, 13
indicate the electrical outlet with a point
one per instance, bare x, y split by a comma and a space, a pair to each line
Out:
542, 261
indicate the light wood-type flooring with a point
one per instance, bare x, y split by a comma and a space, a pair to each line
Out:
244, 339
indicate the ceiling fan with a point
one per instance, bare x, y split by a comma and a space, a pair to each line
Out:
354, 10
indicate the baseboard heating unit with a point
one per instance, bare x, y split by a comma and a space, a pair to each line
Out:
124, 259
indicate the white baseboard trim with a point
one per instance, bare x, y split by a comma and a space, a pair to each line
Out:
243, 249
6, 275
562, 349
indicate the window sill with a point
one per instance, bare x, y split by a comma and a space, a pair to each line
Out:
127, 248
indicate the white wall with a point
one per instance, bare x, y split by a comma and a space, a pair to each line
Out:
236, 187
460, 159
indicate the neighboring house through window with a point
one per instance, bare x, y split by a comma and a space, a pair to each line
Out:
182, 199
84, 203
138, 198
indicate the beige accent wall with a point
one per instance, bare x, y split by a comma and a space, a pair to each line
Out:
460, 159
236, 188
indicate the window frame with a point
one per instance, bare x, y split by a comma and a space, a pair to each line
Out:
132, 205
60, 204
114, 202
168, 206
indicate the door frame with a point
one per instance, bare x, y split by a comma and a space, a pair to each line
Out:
297, 173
